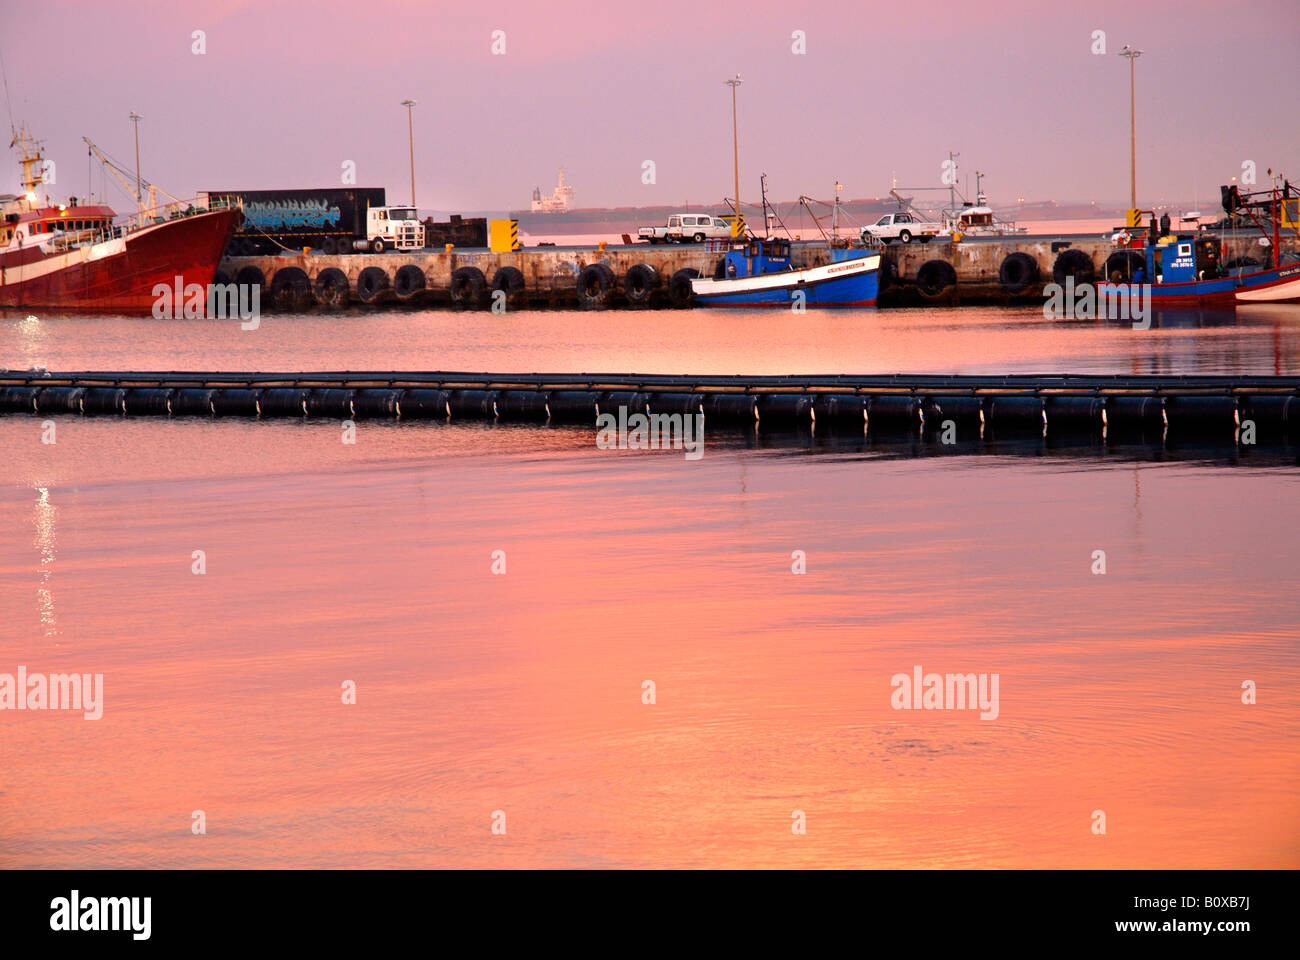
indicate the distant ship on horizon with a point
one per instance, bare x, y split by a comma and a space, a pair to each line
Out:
560, 200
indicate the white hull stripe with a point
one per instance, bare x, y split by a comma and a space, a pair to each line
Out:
62, 261
1289, 290
776, 281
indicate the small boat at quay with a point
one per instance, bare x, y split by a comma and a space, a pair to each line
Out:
75, 257
1185, 268
759, 273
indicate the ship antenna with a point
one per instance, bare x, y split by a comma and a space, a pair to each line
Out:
4, 77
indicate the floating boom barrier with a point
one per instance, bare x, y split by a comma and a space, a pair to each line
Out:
1145, 406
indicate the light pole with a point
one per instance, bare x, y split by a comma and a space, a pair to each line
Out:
135, 119
410, 129
735, 148
1132, 53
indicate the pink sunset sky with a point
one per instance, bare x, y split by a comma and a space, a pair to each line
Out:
288, 91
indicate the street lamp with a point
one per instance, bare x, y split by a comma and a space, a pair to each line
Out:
735, 148
410, 129
1132, 53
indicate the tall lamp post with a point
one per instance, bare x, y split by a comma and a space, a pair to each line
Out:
410, 129
735, 148
135, 119
1132, 53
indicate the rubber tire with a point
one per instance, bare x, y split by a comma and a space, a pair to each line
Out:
372, 283
328, 247
290, 290
924, 239
1073, 263
935, 279
886, 274
252, 276
467, 287
905, 236
679, 287
332, 288
408, 282
510, 280
377, 245
595, 286
1122, 264
640, 284
1018, 272
698, 238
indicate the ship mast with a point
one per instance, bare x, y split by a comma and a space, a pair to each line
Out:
32, 160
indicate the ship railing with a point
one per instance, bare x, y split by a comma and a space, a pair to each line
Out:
176, 210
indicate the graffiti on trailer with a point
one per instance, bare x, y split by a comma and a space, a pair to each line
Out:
291, 214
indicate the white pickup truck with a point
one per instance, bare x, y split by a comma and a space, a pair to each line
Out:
902, 227
687, 228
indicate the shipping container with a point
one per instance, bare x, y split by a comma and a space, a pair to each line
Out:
274, 220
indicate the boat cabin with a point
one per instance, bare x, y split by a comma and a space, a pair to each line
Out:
975, 217
42, 222
1184, 259
756, 257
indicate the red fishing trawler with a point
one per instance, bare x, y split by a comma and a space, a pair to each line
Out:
70, 257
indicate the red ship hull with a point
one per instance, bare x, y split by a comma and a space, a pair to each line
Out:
119, 275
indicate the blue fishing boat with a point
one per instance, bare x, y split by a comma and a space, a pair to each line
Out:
760, 273
1187, 269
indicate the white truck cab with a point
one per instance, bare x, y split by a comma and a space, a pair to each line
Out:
392, 228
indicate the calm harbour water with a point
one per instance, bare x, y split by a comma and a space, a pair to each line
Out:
522, 692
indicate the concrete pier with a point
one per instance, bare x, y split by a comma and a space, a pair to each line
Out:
975, 270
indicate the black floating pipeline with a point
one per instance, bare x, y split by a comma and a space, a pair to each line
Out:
237, 402
331, 402
472, 404
965, 412
104, 400
610, 401
921, 408
841, 410
284, 401
785, 409
574, 406
685, 404
738, 409
148, 401
61, 400
894, 413
193, 402
18, 399
1273, 416
1014, 415
523, 406
1075, 414
423, 404
376, 403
